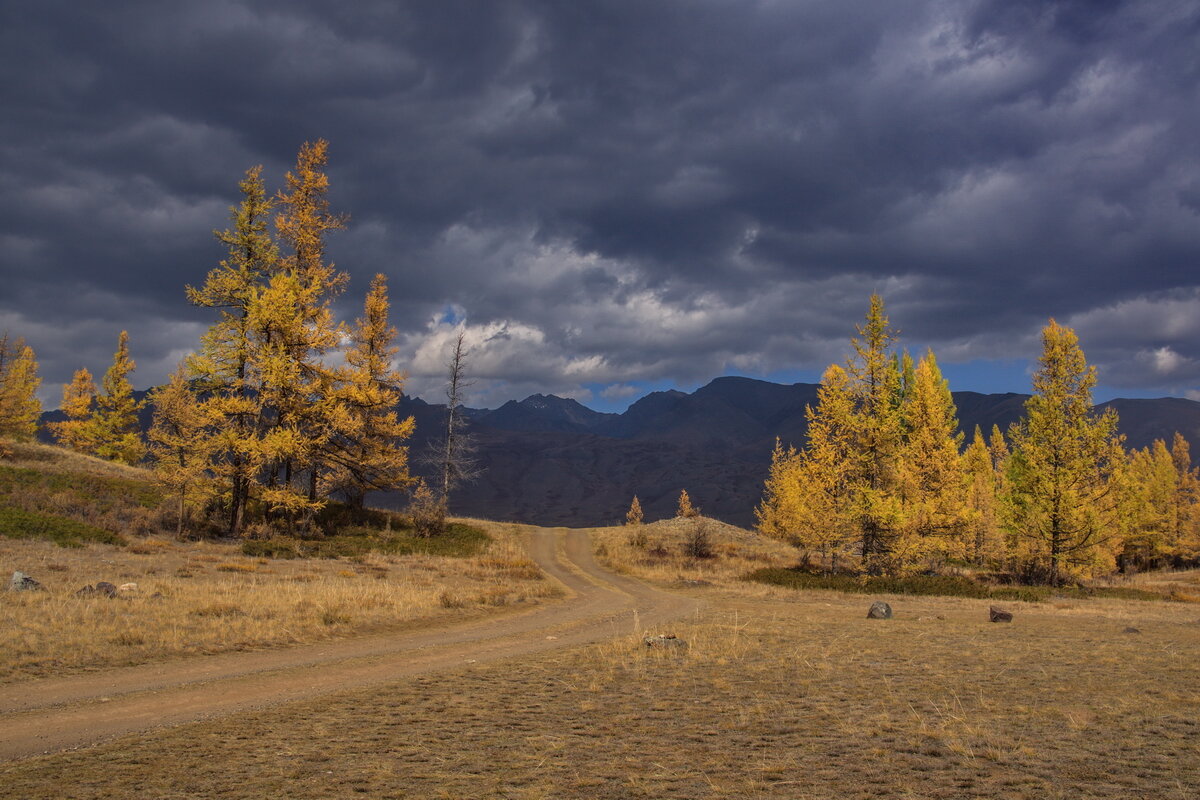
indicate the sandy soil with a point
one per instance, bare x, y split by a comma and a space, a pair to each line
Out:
57, 714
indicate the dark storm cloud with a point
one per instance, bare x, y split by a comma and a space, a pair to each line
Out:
621, 191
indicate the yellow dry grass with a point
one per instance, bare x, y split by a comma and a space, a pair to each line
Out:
660, 556
205, 597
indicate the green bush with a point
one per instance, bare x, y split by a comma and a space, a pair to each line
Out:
459, 540
65, 532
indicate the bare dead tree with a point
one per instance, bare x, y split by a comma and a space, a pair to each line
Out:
455, 455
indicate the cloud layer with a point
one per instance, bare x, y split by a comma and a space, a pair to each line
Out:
613, 195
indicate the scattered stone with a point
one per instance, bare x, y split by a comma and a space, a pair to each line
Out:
879, 610
665, 641
695, 582
23, 583
997, 614
1131, 629
157, 596
107, 589
128, 588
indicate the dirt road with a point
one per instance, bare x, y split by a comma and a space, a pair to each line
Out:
56, 714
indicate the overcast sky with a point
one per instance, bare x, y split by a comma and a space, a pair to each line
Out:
614, 197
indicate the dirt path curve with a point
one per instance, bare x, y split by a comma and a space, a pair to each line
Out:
61, 713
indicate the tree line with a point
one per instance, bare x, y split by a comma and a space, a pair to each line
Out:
885, 481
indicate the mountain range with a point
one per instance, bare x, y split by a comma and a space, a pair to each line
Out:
552, 461
549, 460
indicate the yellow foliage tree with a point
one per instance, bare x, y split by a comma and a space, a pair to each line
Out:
634, 515
114, 424
180, 443
808, 500
1062, 458
78, 403
226, 370
19, 382
367, 452
930, 480
985, 544
686, 510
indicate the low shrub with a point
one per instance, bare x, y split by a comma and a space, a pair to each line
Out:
935, 585
63, 531
458, 540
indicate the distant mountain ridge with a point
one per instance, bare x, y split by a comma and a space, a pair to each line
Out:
553, 461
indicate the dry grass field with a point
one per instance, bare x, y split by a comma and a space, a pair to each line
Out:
203, 597
780, 695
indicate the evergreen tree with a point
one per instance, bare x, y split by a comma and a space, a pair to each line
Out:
78, 403
368, 452
1062, 457
1187, 503
114, 425
19, 382
180, 442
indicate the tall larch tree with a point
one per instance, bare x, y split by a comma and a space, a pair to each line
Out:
1061, 460
227, 369
809, 497
114, 425
19, 382
930, 475
78, 403
180, 440
369, 453
293, 313
876, 386
985, 543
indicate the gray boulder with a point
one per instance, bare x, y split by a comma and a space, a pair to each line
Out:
879, 610
997, 614
23, 583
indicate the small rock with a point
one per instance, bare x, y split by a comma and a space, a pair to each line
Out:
879, 610
128, 588
157, 596
107, 589
666, 641
1131, 629
997, 614
23, 583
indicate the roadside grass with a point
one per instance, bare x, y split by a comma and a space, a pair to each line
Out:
795, 695
209, 597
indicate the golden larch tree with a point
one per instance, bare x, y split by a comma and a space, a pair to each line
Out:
226, 370
20, 408
985, 543
114, 424
930, 474
179, 443
78, 403
368, 452
685, 509
1059, 468
634, 515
